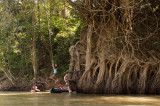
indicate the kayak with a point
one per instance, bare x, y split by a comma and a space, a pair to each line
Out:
57, 90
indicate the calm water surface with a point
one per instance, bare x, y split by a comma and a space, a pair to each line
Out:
66, 99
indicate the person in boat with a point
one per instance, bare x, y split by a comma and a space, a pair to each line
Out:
34, 88
60, 86
54, 72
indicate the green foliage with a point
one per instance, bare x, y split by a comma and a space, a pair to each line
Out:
1, 73
156, 8
21, 20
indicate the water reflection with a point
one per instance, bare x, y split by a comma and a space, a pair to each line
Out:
66, 99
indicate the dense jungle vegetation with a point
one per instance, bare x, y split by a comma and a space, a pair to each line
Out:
33, 33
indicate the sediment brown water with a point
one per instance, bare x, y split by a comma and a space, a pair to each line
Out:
72, 99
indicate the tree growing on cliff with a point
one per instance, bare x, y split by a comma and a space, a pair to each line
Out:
121, 45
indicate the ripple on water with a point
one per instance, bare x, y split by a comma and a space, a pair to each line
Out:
66, 99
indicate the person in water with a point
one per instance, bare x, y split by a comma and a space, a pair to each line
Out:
34, 88
66, 81
54, 72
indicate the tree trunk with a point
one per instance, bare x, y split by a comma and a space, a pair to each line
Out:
34, 57
33, 47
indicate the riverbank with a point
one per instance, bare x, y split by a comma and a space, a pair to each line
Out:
21, 84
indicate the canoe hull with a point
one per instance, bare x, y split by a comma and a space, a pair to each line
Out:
56, 90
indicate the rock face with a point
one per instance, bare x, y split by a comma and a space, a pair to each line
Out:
77, 64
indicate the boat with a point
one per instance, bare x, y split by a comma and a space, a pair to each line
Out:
57, 90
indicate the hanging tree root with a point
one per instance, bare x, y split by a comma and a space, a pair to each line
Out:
121, 46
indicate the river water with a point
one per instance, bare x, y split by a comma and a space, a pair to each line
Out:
72, 99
